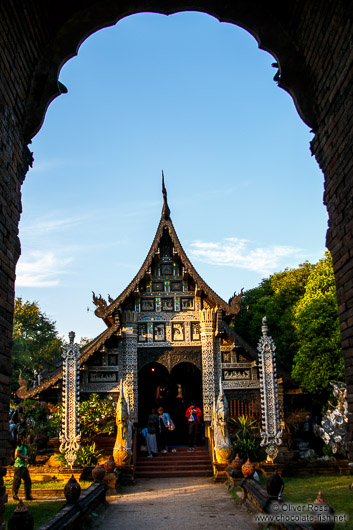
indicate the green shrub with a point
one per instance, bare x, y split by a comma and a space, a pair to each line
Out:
87, 455
244, 438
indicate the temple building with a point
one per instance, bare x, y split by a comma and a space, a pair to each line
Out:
168, 338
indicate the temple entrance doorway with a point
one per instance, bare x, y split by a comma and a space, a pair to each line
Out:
186, 386
173, 391
153, 390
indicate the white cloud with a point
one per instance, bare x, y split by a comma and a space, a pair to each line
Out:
50, 225
234, 252
40, 270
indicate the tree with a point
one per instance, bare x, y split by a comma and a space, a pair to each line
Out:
274, 298
36, 345
319, 358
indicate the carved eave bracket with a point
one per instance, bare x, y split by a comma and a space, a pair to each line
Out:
110, 299
101, 304
234, 302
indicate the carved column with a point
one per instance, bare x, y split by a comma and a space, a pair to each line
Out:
217, 353
207, 326
130, 370
271, 433
70, 432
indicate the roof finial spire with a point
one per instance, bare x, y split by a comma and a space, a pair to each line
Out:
166, 210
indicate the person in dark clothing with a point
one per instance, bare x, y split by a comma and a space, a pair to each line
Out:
21, 471
151, 435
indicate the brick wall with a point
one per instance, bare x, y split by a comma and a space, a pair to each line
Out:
313, 41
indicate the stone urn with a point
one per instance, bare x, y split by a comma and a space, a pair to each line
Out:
275, 485
98, 473
109, 465
21, 518
237, 462
72, 491
326, 511
248, 469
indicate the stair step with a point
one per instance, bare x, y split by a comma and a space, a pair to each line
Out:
169, 458
182, 462
173, 473
165, 462
166, 465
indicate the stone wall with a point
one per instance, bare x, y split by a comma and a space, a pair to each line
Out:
19, 50
312, 41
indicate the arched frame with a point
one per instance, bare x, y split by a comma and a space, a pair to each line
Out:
313, 46
250, 15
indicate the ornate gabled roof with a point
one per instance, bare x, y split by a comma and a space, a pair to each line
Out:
57, 375
106, 311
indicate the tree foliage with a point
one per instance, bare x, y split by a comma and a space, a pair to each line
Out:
301, 309
97, 416
319, 357
35, 343
274, 298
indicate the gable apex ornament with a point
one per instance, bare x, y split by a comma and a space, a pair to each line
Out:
234, 302
101, 304
166, 210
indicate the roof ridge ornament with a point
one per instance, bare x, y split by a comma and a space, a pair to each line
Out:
166, 210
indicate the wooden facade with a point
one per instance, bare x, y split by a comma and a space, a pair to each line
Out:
168, 339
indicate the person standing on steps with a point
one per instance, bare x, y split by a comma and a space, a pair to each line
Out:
193, 415
21, 471
165, 424
151, 435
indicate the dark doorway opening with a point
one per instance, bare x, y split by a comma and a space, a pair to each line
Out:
153, 388
186, 386
172, 391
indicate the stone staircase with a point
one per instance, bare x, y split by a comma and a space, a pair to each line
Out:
178, 462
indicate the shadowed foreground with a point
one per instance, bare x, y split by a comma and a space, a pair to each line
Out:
173, 504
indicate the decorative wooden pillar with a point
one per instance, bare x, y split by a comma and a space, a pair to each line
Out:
130, 371
271, 432
70, 433
207, 327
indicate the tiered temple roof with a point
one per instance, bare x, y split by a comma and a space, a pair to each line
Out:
112, 312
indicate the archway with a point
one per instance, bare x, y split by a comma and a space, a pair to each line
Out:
257, 19
153, 390
303, 39
173, 391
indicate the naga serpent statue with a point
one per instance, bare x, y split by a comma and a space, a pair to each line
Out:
123, 443
222, 444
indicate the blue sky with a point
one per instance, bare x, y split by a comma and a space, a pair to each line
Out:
196, 98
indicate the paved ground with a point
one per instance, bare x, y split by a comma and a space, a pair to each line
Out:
177, 503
